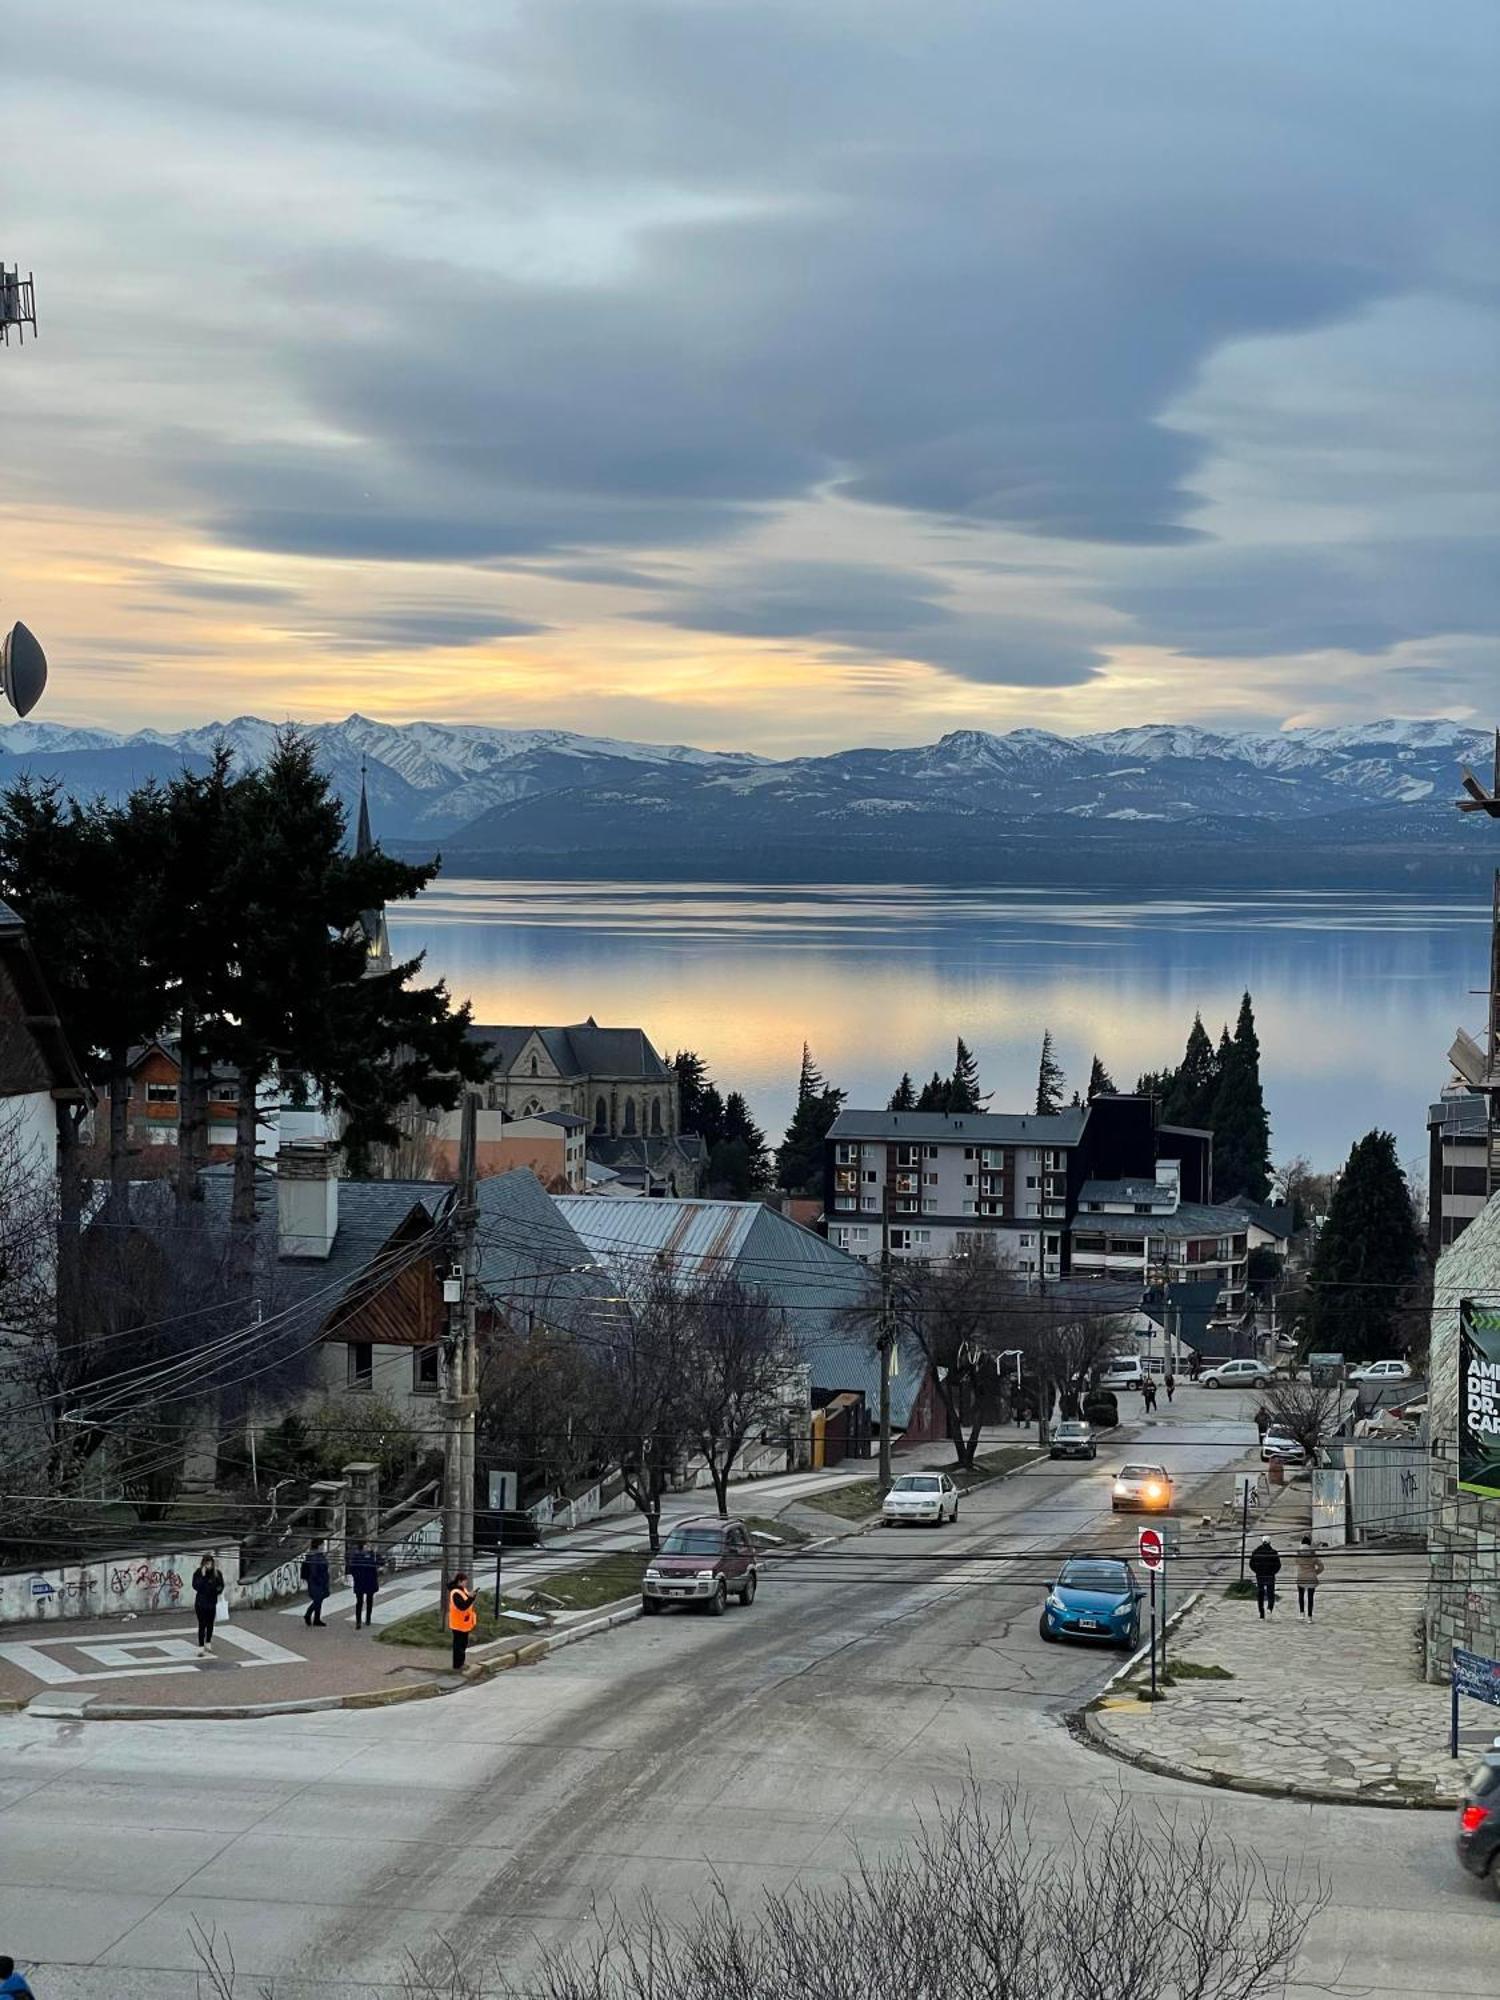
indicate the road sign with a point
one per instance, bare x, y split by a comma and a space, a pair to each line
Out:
1472, 1674
503, 1492
1152, 1548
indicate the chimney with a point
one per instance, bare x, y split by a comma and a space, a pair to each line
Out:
307, 1199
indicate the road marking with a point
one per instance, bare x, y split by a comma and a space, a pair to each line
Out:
172, 1652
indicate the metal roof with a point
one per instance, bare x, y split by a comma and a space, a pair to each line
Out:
532, 1262
1460, 1117
1152, 1191
985, 1128
1191, 1219
1274, 1217
584, 1049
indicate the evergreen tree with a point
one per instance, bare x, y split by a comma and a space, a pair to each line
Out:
1242, 1132
963, 1087
799, 1158
692, 1081
1190, 1100
904, 1096
934, 1094
1157, 1083
739, 1166
1049, 1082
1368, 1256
1101, 1083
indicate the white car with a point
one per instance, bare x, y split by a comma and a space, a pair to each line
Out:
920, 1496
1280, 1444
1382, 1371
1142, 1489
1122, 1371
1236, 1375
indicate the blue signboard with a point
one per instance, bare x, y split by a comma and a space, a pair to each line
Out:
1473, 1674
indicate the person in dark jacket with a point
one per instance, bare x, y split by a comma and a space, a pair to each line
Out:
1262, 1422
208, 1588
1169, 1383
362, 1567
1265, 1562
13, 1983
462, 1617
1148, 1393
315, 1576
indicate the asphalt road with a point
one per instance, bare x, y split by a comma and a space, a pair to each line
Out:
764, 1747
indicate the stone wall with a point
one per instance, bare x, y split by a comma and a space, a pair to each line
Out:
119, 1586
1463, 1591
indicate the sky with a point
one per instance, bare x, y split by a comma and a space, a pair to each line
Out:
755, 373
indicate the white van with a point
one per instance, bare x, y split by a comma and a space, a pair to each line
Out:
1122, 1371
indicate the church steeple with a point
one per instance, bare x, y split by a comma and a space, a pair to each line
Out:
372, 922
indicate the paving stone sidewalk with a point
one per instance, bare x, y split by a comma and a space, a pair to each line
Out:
1329, 1709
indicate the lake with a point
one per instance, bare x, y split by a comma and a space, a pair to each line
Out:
1356, 997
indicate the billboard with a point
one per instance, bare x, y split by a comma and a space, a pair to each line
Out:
1479, 1398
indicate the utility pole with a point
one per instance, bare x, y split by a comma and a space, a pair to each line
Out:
458, 1397
885, 1341
1480, 800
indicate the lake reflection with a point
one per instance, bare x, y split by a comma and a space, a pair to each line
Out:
1356, 997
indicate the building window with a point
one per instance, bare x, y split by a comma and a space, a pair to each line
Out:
1031, 1180
932, 1152
161, 1093
968, 1208
629, 1126
908, 1156
424, 1372
361, 1364
601, 1115
968, 1152
871, 1174
531, 1108
1028, 1242
929, 1180
844, 1154
656, 1117
534, 1070
870, 1201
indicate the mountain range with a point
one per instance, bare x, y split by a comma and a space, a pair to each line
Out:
1364, 804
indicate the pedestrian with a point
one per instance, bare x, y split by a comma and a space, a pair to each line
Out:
1148, 1393
1262, 1422
1309, 1570
13, 1983
1265, 1562
1169, 1383
462, 1617
315, 1576
208, 1588
1195, 1365
362, 1566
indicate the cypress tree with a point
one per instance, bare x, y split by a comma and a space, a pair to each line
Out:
1190, 1101
1242, 1132
1049, 1081
692, 1081
1101, 1083
935, 1093
963, 1089
799, 1157
1368, 1254
904, 1096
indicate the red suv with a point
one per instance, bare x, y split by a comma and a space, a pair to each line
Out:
704, 1561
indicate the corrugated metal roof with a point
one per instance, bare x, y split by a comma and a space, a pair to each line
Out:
1152, 1191
974, 1127
1191, 1219
1465, 1117
532, 1262
698, 1236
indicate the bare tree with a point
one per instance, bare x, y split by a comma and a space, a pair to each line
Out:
961, 1315
736, 1375
1310, 1412
645, 1351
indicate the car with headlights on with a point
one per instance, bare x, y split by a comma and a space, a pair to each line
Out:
1479, 1819
704, 1562
1093, 1597
920, 1496
1142, 1489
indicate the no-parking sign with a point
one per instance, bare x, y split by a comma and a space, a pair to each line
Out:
1152, 1548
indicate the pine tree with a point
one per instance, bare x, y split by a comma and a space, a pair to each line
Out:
711, 1117
738, 1165
963, 1088
799, 1157
904, 1096
1242, 1132
1367, 1257
692, 1081
1101, 1083
1050, 1082
1191, 1098
934, 1094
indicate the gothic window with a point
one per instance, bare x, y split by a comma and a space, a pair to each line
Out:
601, 1115
534, 1070
531, 1107
656, 1115
629, 1117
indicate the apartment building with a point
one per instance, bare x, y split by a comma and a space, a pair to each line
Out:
1141, 1232
1458, 1165
946, 1182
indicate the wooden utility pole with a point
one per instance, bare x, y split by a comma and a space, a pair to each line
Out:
458, 1397
885, 1341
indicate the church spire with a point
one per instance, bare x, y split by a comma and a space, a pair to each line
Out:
371, 922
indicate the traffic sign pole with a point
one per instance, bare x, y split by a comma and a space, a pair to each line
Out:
1153, 1634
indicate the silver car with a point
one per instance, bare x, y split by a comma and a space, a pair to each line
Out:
920, 1496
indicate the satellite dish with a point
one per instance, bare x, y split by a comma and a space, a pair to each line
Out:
23, 669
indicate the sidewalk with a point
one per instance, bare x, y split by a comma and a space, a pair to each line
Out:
1333, 1710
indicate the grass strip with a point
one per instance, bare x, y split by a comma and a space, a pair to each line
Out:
430, 1628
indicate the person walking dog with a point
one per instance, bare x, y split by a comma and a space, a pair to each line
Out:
362, 1566
315, 1576
462, 1617
1265, 1562
1309, 1570
208, 1588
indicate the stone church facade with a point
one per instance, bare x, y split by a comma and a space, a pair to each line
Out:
610, 1077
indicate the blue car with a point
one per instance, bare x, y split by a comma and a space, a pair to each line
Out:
1094, 1597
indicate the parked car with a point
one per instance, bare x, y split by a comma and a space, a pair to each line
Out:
706, 1562
1382, 1371
1072, 1439
1102, 1409
1281, 1444
1122, 1371
1142, 1489
1236, 1375
1479, 1819
920, 1496
1093, 1597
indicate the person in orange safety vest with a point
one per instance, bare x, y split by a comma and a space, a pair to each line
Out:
462, 1617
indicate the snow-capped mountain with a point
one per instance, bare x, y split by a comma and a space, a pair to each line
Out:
513, 800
